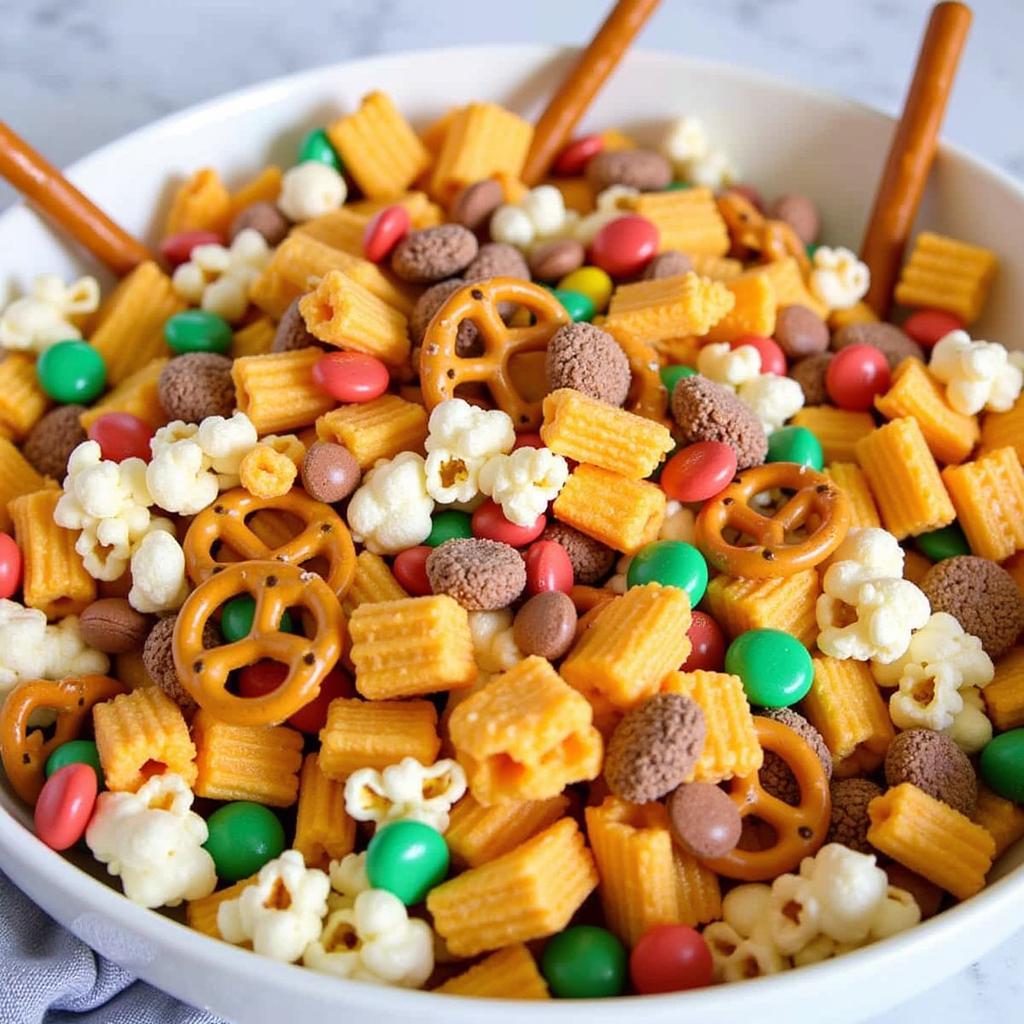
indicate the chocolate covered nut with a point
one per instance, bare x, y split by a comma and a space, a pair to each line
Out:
554, 260
587, 359
704, 820
113, 626
482, 575
196, 385
432, 254
291, 332
935, 764
642, 169
850, 821
265, 218
887, 338
706, 411
800, 332
474, 205
545, 625
591, 560
497, 259
329, 472
800, 214
671, 263
809, 373
52, 440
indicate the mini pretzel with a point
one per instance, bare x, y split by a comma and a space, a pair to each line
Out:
276, 587
647, 395
818, 504
799, 831
23, 747
750, 230
323, 535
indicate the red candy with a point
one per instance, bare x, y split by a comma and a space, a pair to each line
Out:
927, 326
548, 568
410, 569
773, 359
574, 158
10, 565
385, 230
699, 471
670, 958
313, 716
489, 522
625, 246
707, 644
65, 805
261, 678
856, 374
178, 248
351, 376
121, 435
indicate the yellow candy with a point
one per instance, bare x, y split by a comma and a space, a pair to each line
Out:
592, 282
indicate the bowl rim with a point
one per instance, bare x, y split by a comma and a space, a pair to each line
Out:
51, 869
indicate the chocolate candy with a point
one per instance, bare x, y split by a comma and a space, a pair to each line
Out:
384, 231
72, 371
546, 625
65, 805
196, 330
625, 246
584, 962
243, 837
329, 472
10, 565
121, 435
548, 567
476, 202
351, 376
265, 219
774, 667
698, 471
553, 260
112, 625
408, 859
800, 332
704, 820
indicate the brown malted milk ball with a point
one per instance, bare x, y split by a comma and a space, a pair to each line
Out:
330, 472
704, 820
706, 411
800, 332
893, 343
668, 264
291, 331
113, 626
935, 764
196, 385
585, 358
264, 218
158, 658
642, 169
474, 205
467, 340
546, 625
432, 254
850, 821
810, 373
591, 560
497, 259
553, 260
52, 440
482, 575
800, 214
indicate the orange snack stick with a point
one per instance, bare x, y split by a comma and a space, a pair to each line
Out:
201, 914
276, 587
141, 734
1002, 819
22, 400
201, 203
752, 313
324, 831
668, 307
931, 839
687, 220
645, 879
914, 392
838, 430
378, 147
634, 642
276, 391
1004, 696
816, 503
988, 495
372, 581
904, 479
624, 514
254, 339
378, 429
943, 273
510, 973
137, 394
53, 577
787, 279
17, 477
525, 736
266, 473
477, 834
264, 188
850, 479
529, 893
786, 603
412, 646
587, 430
259, 763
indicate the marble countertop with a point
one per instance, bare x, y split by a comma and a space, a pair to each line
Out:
75, 74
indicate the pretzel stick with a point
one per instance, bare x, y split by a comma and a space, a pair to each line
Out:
577, 92
51, 193
913, 150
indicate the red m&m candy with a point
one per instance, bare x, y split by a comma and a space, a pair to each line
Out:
10, 565
489, 522
351, 376
65, 805
928, 326
625, 246
177, 249
773, 359
699, 471
313, 716
385, 230
548, 568
121, 436
670, 958
707, 644
410, 569
575, 157
856, 374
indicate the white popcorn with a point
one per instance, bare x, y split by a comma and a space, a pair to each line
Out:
545, 207
872, 551
745, 907
68, 655
407, 791
679, 523
774, 399
494, 645
180, 480
728, 366
512, 225
281, 913
158, 573
753, 958
971, 728
849, 890
217, 278
685, 140
375, 940
793, 913
225, 442
40, 319
524, 482
615, 199
978, 374
897, 912
715, 170
391, 510
227, 297
461, 438
348, 879
586, 228
838, 279
153, 841
309, 190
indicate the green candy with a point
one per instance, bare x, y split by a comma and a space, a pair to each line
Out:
408, 859
577, 305
672, 563
448, 525
1002, 765
75, 752
677, 186
672, 375
795, 444
243, 836
584, 962
316, 146
72, 371
774, 667
945, 543
237, 615
195, 330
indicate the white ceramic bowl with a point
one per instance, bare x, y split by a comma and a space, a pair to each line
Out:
783, 137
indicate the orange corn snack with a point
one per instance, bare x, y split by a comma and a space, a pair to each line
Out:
578, 194
1002, 819
374, 734
780, 602
323, 829
1004, 429
529, 893
624, 514
525, 736
138, 394
789, 285
254, 339
904, 479
17, 477
266, 473
914, 392
838, 430
130, 669
731, 747
375, 430
22, 400
246, 762
686, 219
845, 706
141, 734
53, 577
412, 646
634, 642
930, 838
988, 495
201, 203
340, 229
718, 268
372, 582
271, 292
678, 350
858, 313
669, 307
423, 212
849, 477
477, 834
511, 973
378, 147
753, 312
264, 188
1004, 696
201, 914
588, 430
943, 273
276, 391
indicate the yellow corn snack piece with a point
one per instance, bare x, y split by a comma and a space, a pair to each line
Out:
1003, 430
850, 479
323, 829
904, 479
624, 514
779, 602
789, 285
634, 642
669, 307
718, 268
264, 188
53, 577
678, 350
375, 430
138, 394
246, 762
753, 312
858, 313
988, 495
22, 400
731, 747
372, 582
17, 477
943, 273
578, 194
1004, 696
141, 734
525, 736
686, 219
588, 430
645, 879
254, 339
932, 839
277, 392
412, 646
1002, 819
838, 430
477, 834
423, 212
201, 203
529, 893
340, 229
511, 973
201, 914
374, 734
273, 293
266, 473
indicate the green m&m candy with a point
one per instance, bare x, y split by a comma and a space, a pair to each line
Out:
408, 859
672, 375
584, 962
317, 147
72, 371
774, 667
672, 563
577, 305
448, 525
1002, 765
237, 615
75, 752
942, 544
196, 330
795, 444
243, 836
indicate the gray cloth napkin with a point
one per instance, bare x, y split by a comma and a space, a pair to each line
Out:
47, 976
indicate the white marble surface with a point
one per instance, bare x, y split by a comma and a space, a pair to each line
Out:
77, 73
